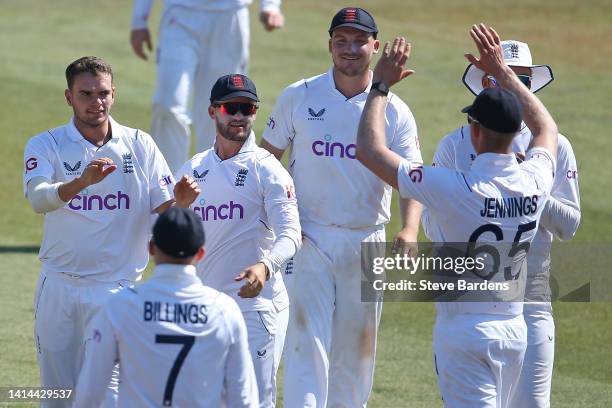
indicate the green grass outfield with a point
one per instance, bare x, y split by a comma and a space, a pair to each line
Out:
39, 38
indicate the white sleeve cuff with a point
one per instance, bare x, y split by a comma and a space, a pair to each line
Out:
44, 196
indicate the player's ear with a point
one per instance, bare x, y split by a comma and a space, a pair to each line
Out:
152, 248
329, 47
68, 96
376, 46
200, 254
211, 111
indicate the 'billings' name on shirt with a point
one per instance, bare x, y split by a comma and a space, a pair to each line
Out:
186, 313
508, 207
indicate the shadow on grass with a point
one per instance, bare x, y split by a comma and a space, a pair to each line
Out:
19, 249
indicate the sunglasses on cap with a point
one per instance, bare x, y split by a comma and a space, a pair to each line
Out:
525, 79
232, 108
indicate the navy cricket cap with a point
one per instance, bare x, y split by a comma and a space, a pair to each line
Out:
497, 109
178, 232
355, 17
231, 86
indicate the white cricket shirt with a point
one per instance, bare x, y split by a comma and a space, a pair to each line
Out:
319, 124
497, 200
178, 343
455, 151
102, 232
246, 204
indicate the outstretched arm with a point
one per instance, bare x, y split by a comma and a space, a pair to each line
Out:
491, 60
372, 151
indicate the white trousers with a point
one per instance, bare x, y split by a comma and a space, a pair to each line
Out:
331, 339
266, 336
536, 376
478, 358
63, 307
195, 49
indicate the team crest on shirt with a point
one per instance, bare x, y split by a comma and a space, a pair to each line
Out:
128, 164
241, 177
199, 176
72, 170
316, 115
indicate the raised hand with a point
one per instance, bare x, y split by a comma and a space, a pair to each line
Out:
391, 67
186, 190
96, 171
488, 43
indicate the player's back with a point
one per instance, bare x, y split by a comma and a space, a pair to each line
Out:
497, 202
178, 342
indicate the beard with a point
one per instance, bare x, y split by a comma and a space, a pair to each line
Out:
231, 133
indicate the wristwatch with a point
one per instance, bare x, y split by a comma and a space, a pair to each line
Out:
381, 87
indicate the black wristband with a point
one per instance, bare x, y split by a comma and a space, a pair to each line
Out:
381, 87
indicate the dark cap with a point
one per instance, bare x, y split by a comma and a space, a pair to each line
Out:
232, 86
354, 17
497, 109
178, 232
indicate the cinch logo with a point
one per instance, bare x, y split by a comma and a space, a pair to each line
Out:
572, 174
83, 202
328, 148
316, 115
222, 212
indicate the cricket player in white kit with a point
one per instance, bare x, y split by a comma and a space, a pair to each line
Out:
478, 346
560, 218
97, 182
246, 202
179, 343
199, 41
331, 340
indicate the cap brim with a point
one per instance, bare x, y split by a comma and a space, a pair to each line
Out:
541, 75
355, 25
466, 109
236, 94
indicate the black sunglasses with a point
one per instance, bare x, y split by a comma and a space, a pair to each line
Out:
525, 79
232, 108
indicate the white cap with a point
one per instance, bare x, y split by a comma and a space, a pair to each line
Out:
516, 54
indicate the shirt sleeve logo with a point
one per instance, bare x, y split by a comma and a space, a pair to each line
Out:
416, 174
31, 164
271, 123
165, 181
290, 191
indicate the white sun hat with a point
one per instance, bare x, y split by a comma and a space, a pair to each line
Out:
516, 54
